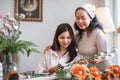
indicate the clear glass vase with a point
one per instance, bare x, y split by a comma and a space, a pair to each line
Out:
9, 65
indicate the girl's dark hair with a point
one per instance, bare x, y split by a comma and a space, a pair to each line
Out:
72, 47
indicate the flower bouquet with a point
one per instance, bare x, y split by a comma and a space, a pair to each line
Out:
82, 72
94, 73
113, 71
10, 42
102, 55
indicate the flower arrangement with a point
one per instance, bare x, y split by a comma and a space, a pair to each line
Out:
10, 34
94, 73
79, 71
10, 42
113, 71
82, 72
102, 55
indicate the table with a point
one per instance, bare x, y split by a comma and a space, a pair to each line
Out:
51, 77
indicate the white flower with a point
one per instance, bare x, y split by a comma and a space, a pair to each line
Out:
102, 53
107, 57
8, 26
85, 66
112, 55
68, 75
3, 31
14, 22
22, 16
96, 59
99, 57
15, 27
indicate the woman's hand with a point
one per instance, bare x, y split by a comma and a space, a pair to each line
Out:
96, 61
83, 61
47, 48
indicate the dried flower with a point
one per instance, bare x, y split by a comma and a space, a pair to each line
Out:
103, 55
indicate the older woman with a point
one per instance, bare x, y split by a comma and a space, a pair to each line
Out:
90, 36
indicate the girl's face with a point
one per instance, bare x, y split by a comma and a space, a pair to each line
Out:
64, 40
82, 19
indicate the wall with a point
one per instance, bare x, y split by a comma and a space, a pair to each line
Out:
41, 33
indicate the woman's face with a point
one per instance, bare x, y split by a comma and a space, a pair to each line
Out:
82, 19
64, 40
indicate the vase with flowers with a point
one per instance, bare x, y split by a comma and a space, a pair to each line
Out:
10, 42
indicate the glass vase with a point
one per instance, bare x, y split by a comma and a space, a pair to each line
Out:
8, 65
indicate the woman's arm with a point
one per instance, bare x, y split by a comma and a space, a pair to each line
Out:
101, 45
101, 42
42, 65
45, 65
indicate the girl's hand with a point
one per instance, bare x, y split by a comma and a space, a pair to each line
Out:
53, 69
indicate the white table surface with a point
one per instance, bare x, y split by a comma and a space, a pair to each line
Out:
42, 78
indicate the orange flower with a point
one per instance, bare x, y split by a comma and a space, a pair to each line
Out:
108, 76
79, 71
95, 73
118, 29
12, 75
115, 70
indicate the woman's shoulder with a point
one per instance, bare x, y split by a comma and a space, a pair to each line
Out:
98, 31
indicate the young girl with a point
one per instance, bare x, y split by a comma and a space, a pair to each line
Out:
62, 52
